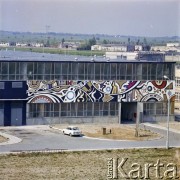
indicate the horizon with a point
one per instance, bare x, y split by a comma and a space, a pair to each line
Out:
111, 35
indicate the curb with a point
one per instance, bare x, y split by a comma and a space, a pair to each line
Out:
12, 139
161, 127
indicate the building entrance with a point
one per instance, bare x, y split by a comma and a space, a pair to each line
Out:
128, 112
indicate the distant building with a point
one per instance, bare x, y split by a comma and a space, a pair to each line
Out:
137, 55
170, 47
3, 44
21, 44
138, 47
119, 48
175, 44
70, 45
37, 44
109, 47
121, 55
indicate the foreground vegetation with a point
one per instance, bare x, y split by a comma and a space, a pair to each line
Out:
83, 165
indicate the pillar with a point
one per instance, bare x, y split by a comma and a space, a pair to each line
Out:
119, 113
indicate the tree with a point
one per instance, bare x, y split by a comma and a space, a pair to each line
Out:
63, 40
129, 40
145, 41
92, 41
105, 41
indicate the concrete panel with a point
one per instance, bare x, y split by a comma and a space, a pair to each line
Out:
1, 117
71, 120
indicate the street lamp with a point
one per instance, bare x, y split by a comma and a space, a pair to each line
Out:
168, 99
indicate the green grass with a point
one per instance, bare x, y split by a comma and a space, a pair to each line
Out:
57, 51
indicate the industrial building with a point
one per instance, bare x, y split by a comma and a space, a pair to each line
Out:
37, 88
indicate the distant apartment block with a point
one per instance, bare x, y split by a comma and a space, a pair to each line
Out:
4, 44
69, 45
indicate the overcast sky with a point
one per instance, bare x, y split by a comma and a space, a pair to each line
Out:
116, 17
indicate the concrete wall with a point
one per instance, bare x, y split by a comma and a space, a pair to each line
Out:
71, 120
157, 118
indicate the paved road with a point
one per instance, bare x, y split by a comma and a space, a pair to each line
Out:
37, 138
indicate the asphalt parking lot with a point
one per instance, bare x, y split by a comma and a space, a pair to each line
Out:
41, 138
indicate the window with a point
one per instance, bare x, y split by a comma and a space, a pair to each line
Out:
158, 108
2, 85
85, 70
17, 84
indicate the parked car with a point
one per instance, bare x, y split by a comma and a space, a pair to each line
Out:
72, 131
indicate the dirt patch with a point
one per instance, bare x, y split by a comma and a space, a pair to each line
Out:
3, 139
114, 131
83, 165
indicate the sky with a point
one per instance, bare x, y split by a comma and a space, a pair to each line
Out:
114, 17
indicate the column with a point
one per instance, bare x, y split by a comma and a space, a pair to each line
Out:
119, 113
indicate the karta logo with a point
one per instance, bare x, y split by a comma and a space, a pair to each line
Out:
117, 169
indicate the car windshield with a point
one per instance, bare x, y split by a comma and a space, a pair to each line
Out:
75, 128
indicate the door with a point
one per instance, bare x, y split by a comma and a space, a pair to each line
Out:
16, 116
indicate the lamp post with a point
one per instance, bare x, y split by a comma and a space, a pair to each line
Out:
168, 99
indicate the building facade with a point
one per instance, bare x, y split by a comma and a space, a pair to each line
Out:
38, 89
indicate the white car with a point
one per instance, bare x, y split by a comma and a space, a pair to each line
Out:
72, 131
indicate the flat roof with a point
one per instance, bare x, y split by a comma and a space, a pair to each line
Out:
24, 56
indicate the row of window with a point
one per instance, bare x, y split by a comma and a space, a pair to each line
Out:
177, 98
73, 110
177, 81
88, 109
85, 71
13, 84
155, 109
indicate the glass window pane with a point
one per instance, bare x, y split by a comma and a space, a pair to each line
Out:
73, 109
30, 70
63, 109
5, 70
96, 109
74, 70
56, 110
122, 71
81, 71
112, 108
64, 71
89, 109
113, 71
144, 71
105, 71
160, 71
80, 109
12, 68
97, 71
90, 71
129, 71
152, 71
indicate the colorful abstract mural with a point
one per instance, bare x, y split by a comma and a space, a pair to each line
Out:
99, 91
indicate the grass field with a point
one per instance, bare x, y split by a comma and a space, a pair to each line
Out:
84, 165
57, 51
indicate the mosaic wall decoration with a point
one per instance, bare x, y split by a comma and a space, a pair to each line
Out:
99, 91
